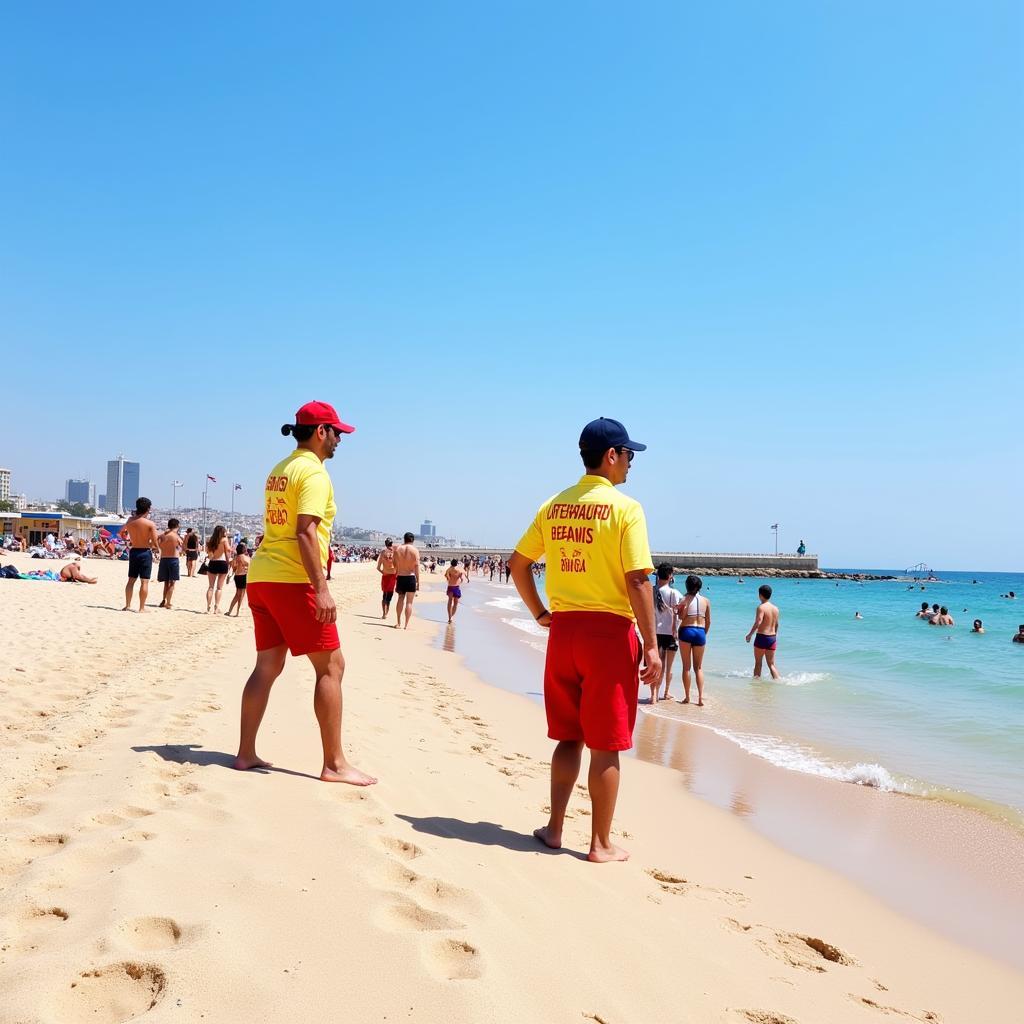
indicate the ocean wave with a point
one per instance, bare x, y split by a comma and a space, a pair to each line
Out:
526, 626
789, 679
796, 758
507, 604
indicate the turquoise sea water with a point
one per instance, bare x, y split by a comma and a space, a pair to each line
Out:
886, 701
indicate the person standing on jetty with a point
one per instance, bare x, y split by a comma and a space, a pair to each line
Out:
388, 576
292, 608
407, 566
598, 563
143, 543
766, 628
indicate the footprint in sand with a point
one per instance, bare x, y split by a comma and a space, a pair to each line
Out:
402, 847
803, 951
765, 1017
149, 933
925, 1016
432, 891
678, 886
403, 914
39, 922
23, 809
111, 994
454, 960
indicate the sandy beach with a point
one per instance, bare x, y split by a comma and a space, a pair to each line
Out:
141, 878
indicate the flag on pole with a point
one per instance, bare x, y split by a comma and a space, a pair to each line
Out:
213, 478
238, 487
179, 483
775, 526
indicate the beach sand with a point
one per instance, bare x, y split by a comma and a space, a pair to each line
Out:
141, 878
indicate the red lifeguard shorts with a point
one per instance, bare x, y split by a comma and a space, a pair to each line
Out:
285, 613
388, 582
590, 679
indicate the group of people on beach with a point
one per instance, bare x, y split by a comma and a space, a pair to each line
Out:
146, 544
682, 624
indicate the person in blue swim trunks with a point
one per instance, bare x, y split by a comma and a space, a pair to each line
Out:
765, 631
694, 614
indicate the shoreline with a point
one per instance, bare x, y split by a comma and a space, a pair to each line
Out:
950, 865
144, 879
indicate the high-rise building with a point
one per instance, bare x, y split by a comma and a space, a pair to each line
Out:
427, 529
83, 491
122, 485
102, 502
5, 485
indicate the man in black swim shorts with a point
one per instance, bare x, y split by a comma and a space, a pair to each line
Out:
143, 544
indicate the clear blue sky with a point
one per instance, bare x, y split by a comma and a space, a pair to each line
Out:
782, 242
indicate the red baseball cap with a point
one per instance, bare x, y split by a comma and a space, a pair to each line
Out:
312, 414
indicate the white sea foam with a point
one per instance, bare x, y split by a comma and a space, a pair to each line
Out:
507, 604
527, 626
797, 758
790, 679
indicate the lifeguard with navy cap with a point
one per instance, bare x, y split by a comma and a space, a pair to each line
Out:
594, 539
292, 608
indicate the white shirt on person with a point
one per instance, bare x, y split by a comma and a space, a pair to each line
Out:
664, 621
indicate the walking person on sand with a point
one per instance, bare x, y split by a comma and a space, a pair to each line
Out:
292, 607
598, 566
388, 576
454, 577
218, 552
407, 584
142, 540
694, 625
766, 628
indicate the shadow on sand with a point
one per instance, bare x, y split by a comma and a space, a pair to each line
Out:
193, 753
483, 833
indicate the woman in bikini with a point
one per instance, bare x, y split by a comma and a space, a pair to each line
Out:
694, 613
218, 551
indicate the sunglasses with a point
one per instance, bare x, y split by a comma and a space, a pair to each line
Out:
333, 429
629, 453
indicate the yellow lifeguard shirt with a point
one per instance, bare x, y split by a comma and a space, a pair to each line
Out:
591, 535
297, 486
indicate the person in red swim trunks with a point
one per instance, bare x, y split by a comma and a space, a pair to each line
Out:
388, 576
292, 608
594, 540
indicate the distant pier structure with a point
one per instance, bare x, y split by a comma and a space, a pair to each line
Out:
727, 564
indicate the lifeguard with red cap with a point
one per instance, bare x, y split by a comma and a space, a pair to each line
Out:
292, 608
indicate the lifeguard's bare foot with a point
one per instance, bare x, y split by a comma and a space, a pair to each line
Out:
605, 854
686, 701
549, 838
243, 764
348, 774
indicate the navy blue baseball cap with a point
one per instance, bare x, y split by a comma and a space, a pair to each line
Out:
602, 434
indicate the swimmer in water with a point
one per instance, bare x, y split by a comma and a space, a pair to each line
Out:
978, 627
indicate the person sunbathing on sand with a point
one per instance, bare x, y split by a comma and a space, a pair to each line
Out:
72, 573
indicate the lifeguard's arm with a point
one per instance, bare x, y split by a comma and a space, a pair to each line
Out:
641, 600
309, 552
380, 563
526, 585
